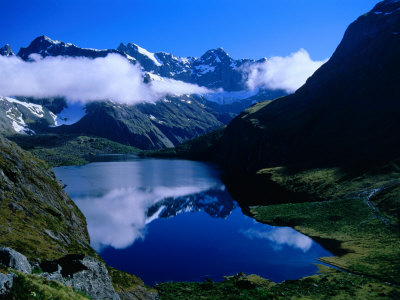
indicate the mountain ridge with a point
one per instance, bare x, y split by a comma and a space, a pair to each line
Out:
214, 69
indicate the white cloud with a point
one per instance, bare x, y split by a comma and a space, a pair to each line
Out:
84, 79
287, 73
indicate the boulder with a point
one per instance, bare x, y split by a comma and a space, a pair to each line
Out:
15, 260
83, 273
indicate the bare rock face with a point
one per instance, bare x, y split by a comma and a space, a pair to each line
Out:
15, 260
10, 258
83, 273
6, 282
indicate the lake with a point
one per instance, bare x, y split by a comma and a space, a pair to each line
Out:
174, 220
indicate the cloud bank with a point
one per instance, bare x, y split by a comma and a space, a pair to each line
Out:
287, 73
84, 79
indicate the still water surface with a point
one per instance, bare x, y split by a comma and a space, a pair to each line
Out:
169, 220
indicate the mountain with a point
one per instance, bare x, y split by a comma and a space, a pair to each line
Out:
45, 46
18, 116
171, 120
214, 69
347, 112
6, 51
147, 126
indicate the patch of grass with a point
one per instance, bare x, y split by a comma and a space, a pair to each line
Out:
125, 283
328, 284
35, 287
37, 270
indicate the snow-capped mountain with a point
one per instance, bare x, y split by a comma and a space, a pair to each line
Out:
214, 69
166, 123
45, 46
22, 117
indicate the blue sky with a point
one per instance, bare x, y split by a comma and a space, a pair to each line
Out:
244, 28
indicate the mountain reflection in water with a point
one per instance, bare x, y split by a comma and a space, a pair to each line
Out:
120, 217
151, 217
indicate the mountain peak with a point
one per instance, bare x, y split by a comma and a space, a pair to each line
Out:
6, 50
45, 46
138, 52
217, 55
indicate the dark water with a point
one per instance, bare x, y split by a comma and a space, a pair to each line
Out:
169, 220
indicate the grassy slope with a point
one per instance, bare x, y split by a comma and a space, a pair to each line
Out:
61, 150
328, 284
33, 204
355, 211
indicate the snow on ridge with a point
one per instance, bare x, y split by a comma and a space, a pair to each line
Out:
17, 122
46, 38
35, 109
54, 116
150, 55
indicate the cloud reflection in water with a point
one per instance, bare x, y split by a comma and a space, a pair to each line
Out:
280, 236
119, 217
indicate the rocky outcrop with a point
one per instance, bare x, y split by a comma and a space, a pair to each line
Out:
83, 273
10, 258
15, 260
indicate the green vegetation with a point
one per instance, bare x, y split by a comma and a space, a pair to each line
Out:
61, 150
328, 284
199, 148
125, 283
356, 217
37, 218
35, 287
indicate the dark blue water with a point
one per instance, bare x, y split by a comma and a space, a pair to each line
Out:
169, 220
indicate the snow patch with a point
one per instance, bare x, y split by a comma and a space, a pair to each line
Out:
203, 69
150, 55
17, 122
35, 109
